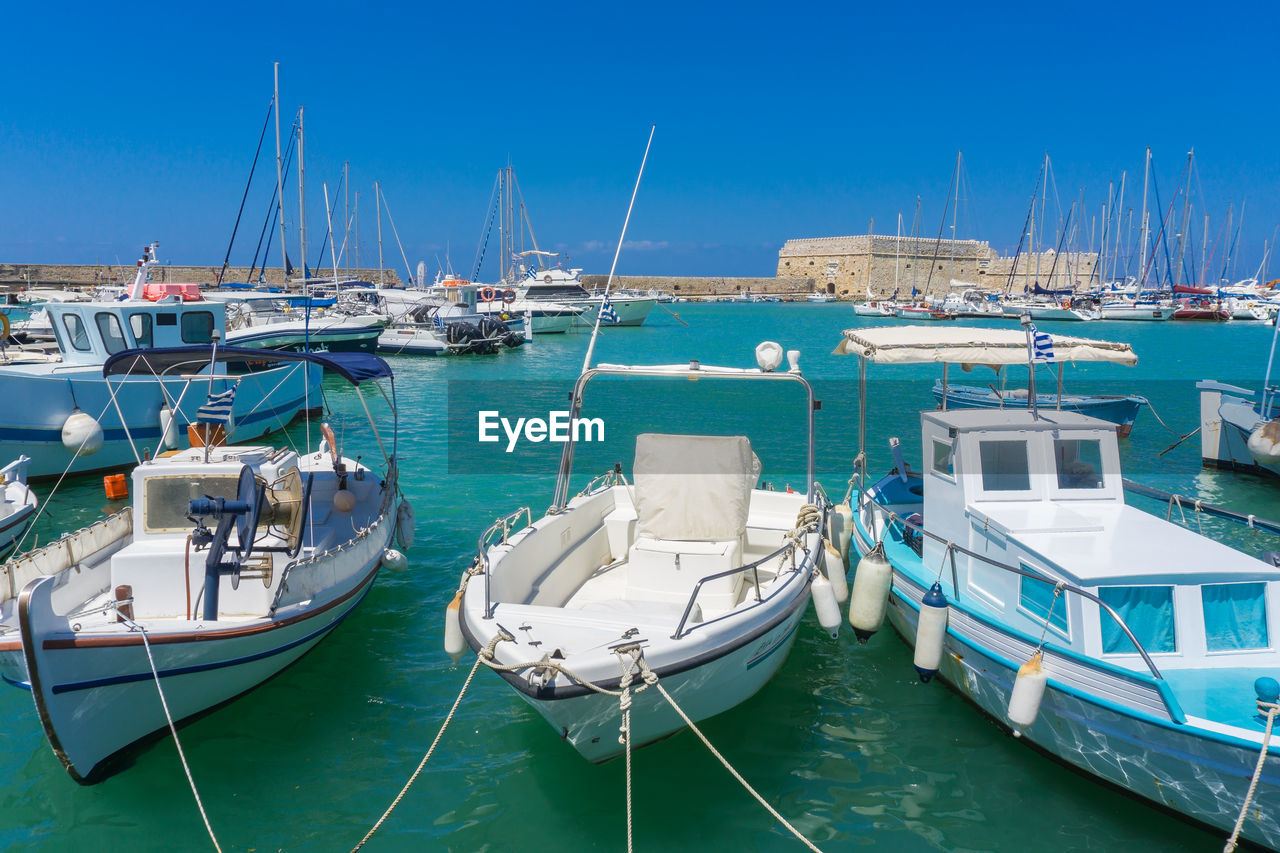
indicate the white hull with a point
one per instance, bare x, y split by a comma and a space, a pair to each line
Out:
1131, 312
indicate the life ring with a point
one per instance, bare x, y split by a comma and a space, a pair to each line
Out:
488, 294
508, 296
547, 278
4, 328
1066, 303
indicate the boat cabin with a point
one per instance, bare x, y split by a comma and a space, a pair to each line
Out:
1045, 494
89, 332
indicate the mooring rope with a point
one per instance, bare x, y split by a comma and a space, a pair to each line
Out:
423, 763
1270, 709
146, 644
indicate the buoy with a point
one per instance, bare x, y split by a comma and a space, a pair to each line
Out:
824, 601
870, 596
840, 527
931, 630
454, 643
344, 500
1028, 690
394, 561
116, 486
834, 565
81, 434
1264, 443
404, 525
168, 432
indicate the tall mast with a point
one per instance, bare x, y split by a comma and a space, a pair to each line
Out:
302, 209
1115, 241
504, 256
1204, 252
284, 252
377, 200
897, 255
356, 245
1185, 221
346, 214
871, 238
1146, 223
955, 211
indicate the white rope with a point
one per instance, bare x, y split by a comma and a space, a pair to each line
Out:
650, 674
423, 763
1270, 708
146, 644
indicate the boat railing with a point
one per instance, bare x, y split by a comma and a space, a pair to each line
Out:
65, 553
506, 524
1182, 503
953, 548
753, 567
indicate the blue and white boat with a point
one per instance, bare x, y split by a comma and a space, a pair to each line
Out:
1121, 410
65, 416
231, 563
1015, 566
1240, 427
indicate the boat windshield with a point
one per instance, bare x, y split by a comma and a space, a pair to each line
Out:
166, 498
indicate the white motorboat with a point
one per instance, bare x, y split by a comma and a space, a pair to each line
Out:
1116, 641
17, 504
820, 296
1145, 310
554, 284
874, 308
278, 321
690, 573
231, 563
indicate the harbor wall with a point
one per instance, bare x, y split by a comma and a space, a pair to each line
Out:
16, 276
695, 286
849, 266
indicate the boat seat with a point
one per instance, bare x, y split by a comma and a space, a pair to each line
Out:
660, 612
662, 570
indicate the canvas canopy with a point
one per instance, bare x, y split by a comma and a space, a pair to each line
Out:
968, 345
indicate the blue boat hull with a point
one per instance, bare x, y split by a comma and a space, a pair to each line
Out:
1121, 411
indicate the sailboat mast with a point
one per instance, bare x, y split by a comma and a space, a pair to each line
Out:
284, 252
1146, 223
955, 212
897, 257
377, 201
356, 245
871, 239
302, 208
1204, 252
1184, 222
1115, 241
346, 215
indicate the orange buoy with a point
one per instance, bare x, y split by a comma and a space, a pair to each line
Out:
116, 487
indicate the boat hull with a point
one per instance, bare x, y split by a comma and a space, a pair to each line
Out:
95, 693
1121, 411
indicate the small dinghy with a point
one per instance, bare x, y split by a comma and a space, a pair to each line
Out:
230, 564
690, 575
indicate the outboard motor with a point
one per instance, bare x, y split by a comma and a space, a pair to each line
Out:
462, 334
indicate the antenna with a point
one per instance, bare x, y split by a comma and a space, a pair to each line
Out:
595, 332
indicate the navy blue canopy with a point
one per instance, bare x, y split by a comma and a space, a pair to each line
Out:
355, 367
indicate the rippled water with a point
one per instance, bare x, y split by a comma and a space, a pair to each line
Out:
844, 741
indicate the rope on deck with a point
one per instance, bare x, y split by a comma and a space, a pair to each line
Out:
1270, 709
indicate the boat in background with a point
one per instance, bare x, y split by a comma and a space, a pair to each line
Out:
17, 504
873, 308
1015, 568
231, 563
820, 296
1120, 410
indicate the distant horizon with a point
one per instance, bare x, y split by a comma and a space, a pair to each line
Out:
771, 125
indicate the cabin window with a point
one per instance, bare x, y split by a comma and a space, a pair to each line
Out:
1078, 463
112, 334
140, 325
1004, 466
1147, 610
1235, 616
166, 500
197, 327
166, 319
942, 458
1037, 599
76, 332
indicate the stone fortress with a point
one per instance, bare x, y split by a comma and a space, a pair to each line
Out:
849, 267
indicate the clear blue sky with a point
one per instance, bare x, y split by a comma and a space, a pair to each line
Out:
123, 125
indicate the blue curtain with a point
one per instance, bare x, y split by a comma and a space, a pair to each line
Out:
1147, 610
1235, 616
1037, 597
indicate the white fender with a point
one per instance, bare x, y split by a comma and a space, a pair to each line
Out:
833, 564
81, 434
394, 561
824, 601
1028, 691
869, 599
931, 630
404, 525
454, 643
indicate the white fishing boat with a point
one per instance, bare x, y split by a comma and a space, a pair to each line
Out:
1144, 310
67, 418
1240, 427
875, 308
278, 321
17, 504
1116, 641
820, 296
230, 564
690, 572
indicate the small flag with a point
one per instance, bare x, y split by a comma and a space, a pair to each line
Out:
217, 409
607, 314
1041, 345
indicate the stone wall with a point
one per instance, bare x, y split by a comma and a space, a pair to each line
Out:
704, 285
87, 275
849, 266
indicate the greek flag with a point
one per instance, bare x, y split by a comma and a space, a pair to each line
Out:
1041, 345
217, 409
607, 314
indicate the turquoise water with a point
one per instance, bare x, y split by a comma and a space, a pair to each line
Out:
844, 741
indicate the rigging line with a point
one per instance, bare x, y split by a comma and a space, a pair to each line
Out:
937, 244
1023, 236
337, 194
387, 207
595, 332
486, 231
269, 223
226, 258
